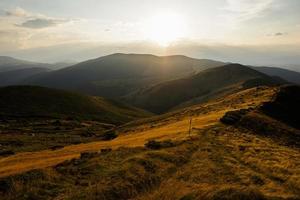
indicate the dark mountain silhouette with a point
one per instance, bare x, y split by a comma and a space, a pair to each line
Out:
15, 77
119, 74
32, 101
200, 87
288, 75
9, 63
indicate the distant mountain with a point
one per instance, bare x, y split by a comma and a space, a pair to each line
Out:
289, 75
61, 65
9, 64
200, 87
15, 77
119, 74
33, 101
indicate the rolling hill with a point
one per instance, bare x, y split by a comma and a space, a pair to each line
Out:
37, 102
119, 74
157, 158
205, 85
15, 77
288, 75
15, 71
9, 63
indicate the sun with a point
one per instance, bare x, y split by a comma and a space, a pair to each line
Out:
165, 28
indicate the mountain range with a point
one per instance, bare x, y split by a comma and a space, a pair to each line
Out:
157, 84
119, 74
138, 126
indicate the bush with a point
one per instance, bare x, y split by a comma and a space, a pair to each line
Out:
106, 150
5, 185
6, 153
88, 133
56, 147
57, 123
236, 194
152, 144
110, 135
86, 155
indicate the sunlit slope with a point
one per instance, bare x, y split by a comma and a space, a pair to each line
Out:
119, 74
37, 102
169, 126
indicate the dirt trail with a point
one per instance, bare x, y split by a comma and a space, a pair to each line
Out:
178, 129
23, 162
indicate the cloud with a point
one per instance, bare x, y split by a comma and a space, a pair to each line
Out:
247, 9
39, 23
17, 12
278, 34
26, 19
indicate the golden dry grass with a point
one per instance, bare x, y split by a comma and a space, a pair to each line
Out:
173, 128
231, 158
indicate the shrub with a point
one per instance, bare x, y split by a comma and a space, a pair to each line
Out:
86, 155
152, 144
57, 123
236, 194
106, 150
88, 133
257, 180
110, 135
56, 147
6, 153
5, 185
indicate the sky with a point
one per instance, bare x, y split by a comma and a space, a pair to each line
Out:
257, 32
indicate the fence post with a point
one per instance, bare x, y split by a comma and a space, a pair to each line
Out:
190, 127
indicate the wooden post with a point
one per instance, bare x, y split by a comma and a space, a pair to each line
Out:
190, 127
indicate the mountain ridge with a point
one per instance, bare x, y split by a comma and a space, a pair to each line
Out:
119, 74
35, 101
162, 97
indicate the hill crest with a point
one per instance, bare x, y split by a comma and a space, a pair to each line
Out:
34, 101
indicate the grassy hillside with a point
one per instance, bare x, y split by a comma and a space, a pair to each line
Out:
31, 101
205, 85
119, 74
14, 77
217, 161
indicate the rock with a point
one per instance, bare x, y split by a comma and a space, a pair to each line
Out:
232, 117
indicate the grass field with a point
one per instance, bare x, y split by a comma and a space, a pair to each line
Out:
155, 158
171, 126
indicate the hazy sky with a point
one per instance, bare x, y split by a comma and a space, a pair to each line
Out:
30, 24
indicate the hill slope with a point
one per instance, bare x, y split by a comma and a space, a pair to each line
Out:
32, 101
119, 74
202, 86
217, 161
289, 75
9, 63
15, 77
